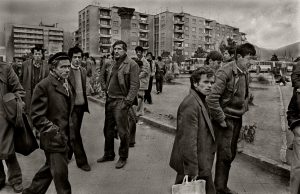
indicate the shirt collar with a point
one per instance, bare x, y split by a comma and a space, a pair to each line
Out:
73, 67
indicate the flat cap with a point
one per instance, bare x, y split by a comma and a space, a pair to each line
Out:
59, 56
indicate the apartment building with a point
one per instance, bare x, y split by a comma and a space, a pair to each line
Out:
99, 27
19, 39
183, 33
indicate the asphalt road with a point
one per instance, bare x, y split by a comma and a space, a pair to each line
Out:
147, 170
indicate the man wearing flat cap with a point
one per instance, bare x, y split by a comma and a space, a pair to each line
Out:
51, 107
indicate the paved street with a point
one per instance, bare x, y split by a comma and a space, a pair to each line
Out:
147, 171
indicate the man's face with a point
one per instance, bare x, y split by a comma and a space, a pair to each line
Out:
226, 55
19, 62
139, 54
76, 59
248, 61
63, 68
119, 51
149, 57
204, 85
37, 55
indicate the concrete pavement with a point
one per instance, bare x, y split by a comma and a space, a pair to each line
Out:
147, 170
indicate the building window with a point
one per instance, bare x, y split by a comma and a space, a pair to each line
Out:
223, 29
186, 20
187, 28
162, 25
116, 32
162, 43
134, 17
134, 34
193, 29
186, 53
194, 36
133, 43
115, 23
187, 36
134, 25
193, 21
186, 45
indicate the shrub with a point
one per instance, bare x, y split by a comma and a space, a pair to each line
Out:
95, 84
261, 79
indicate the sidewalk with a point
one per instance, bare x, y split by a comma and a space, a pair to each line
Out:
265, 150
148, 171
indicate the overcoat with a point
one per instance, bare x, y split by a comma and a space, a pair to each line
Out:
194, 143
52, 107
9, 82
26, 80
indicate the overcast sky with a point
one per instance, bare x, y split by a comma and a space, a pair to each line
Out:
267, 23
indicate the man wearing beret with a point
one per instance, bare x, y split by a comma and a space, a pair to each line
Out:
78, 79
52, 104
122, 88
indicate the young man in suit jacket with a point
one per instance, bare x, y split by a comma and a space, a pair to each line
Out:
194, 146
77, 80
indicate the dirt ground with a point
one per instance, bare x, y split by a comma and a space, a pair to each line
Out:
265, 113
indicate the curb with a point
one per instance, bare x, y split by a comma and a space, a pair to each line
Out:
270, 165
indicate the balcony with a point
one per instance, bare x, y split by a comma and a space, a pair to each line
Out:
208, 27
28, 41
105, 44
56, 33
28, 31
56, 38
208, 35
178, 47
179, 22
178, 30
105, 16
28, 36
145, 47
178, 39
105, 26
179, 14
105, 35
144, 30
144, 38
143, 21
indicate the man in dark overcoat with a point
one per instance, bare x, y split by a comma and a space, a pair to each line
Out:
33, 71
194, 146
52, 104
9, 83
78, 79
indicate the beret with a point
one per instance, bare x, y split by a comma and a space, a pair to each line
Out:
58, 56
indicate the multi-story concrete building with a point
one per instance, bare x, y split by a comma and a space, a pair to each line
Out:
183, 33
19, 39
100, 27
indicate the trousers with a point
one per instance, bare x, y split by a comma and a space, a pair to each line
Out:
116, 115
56, 169
14, 171
226, 139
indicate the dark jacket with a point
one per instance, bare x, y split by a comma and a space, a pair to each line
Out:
26, 79
51, 112
128, 76
103, 76
223, 97
195, 140
293, 112
9, 82
83, 79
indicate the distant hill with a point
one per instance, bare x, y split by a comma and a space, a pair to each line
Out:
288, 52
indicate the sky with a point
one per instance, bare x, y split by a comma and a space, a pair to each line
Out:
268, 23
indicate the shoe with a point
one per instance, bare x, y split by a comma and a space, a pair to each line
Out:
85, 167
18, 187
106, 159
227, 191
131, 145
121, 163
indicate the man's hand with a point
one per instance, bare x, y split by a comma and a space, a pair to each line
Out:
223, 124
296, 131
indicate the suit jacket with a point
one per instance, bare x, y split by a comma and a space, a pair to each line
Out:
51, 111
83, 80
9, 83
128, 76
26, 78
195, 140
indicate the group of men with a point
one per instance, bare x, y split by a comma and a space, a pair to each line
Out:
55, 101
209, 120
